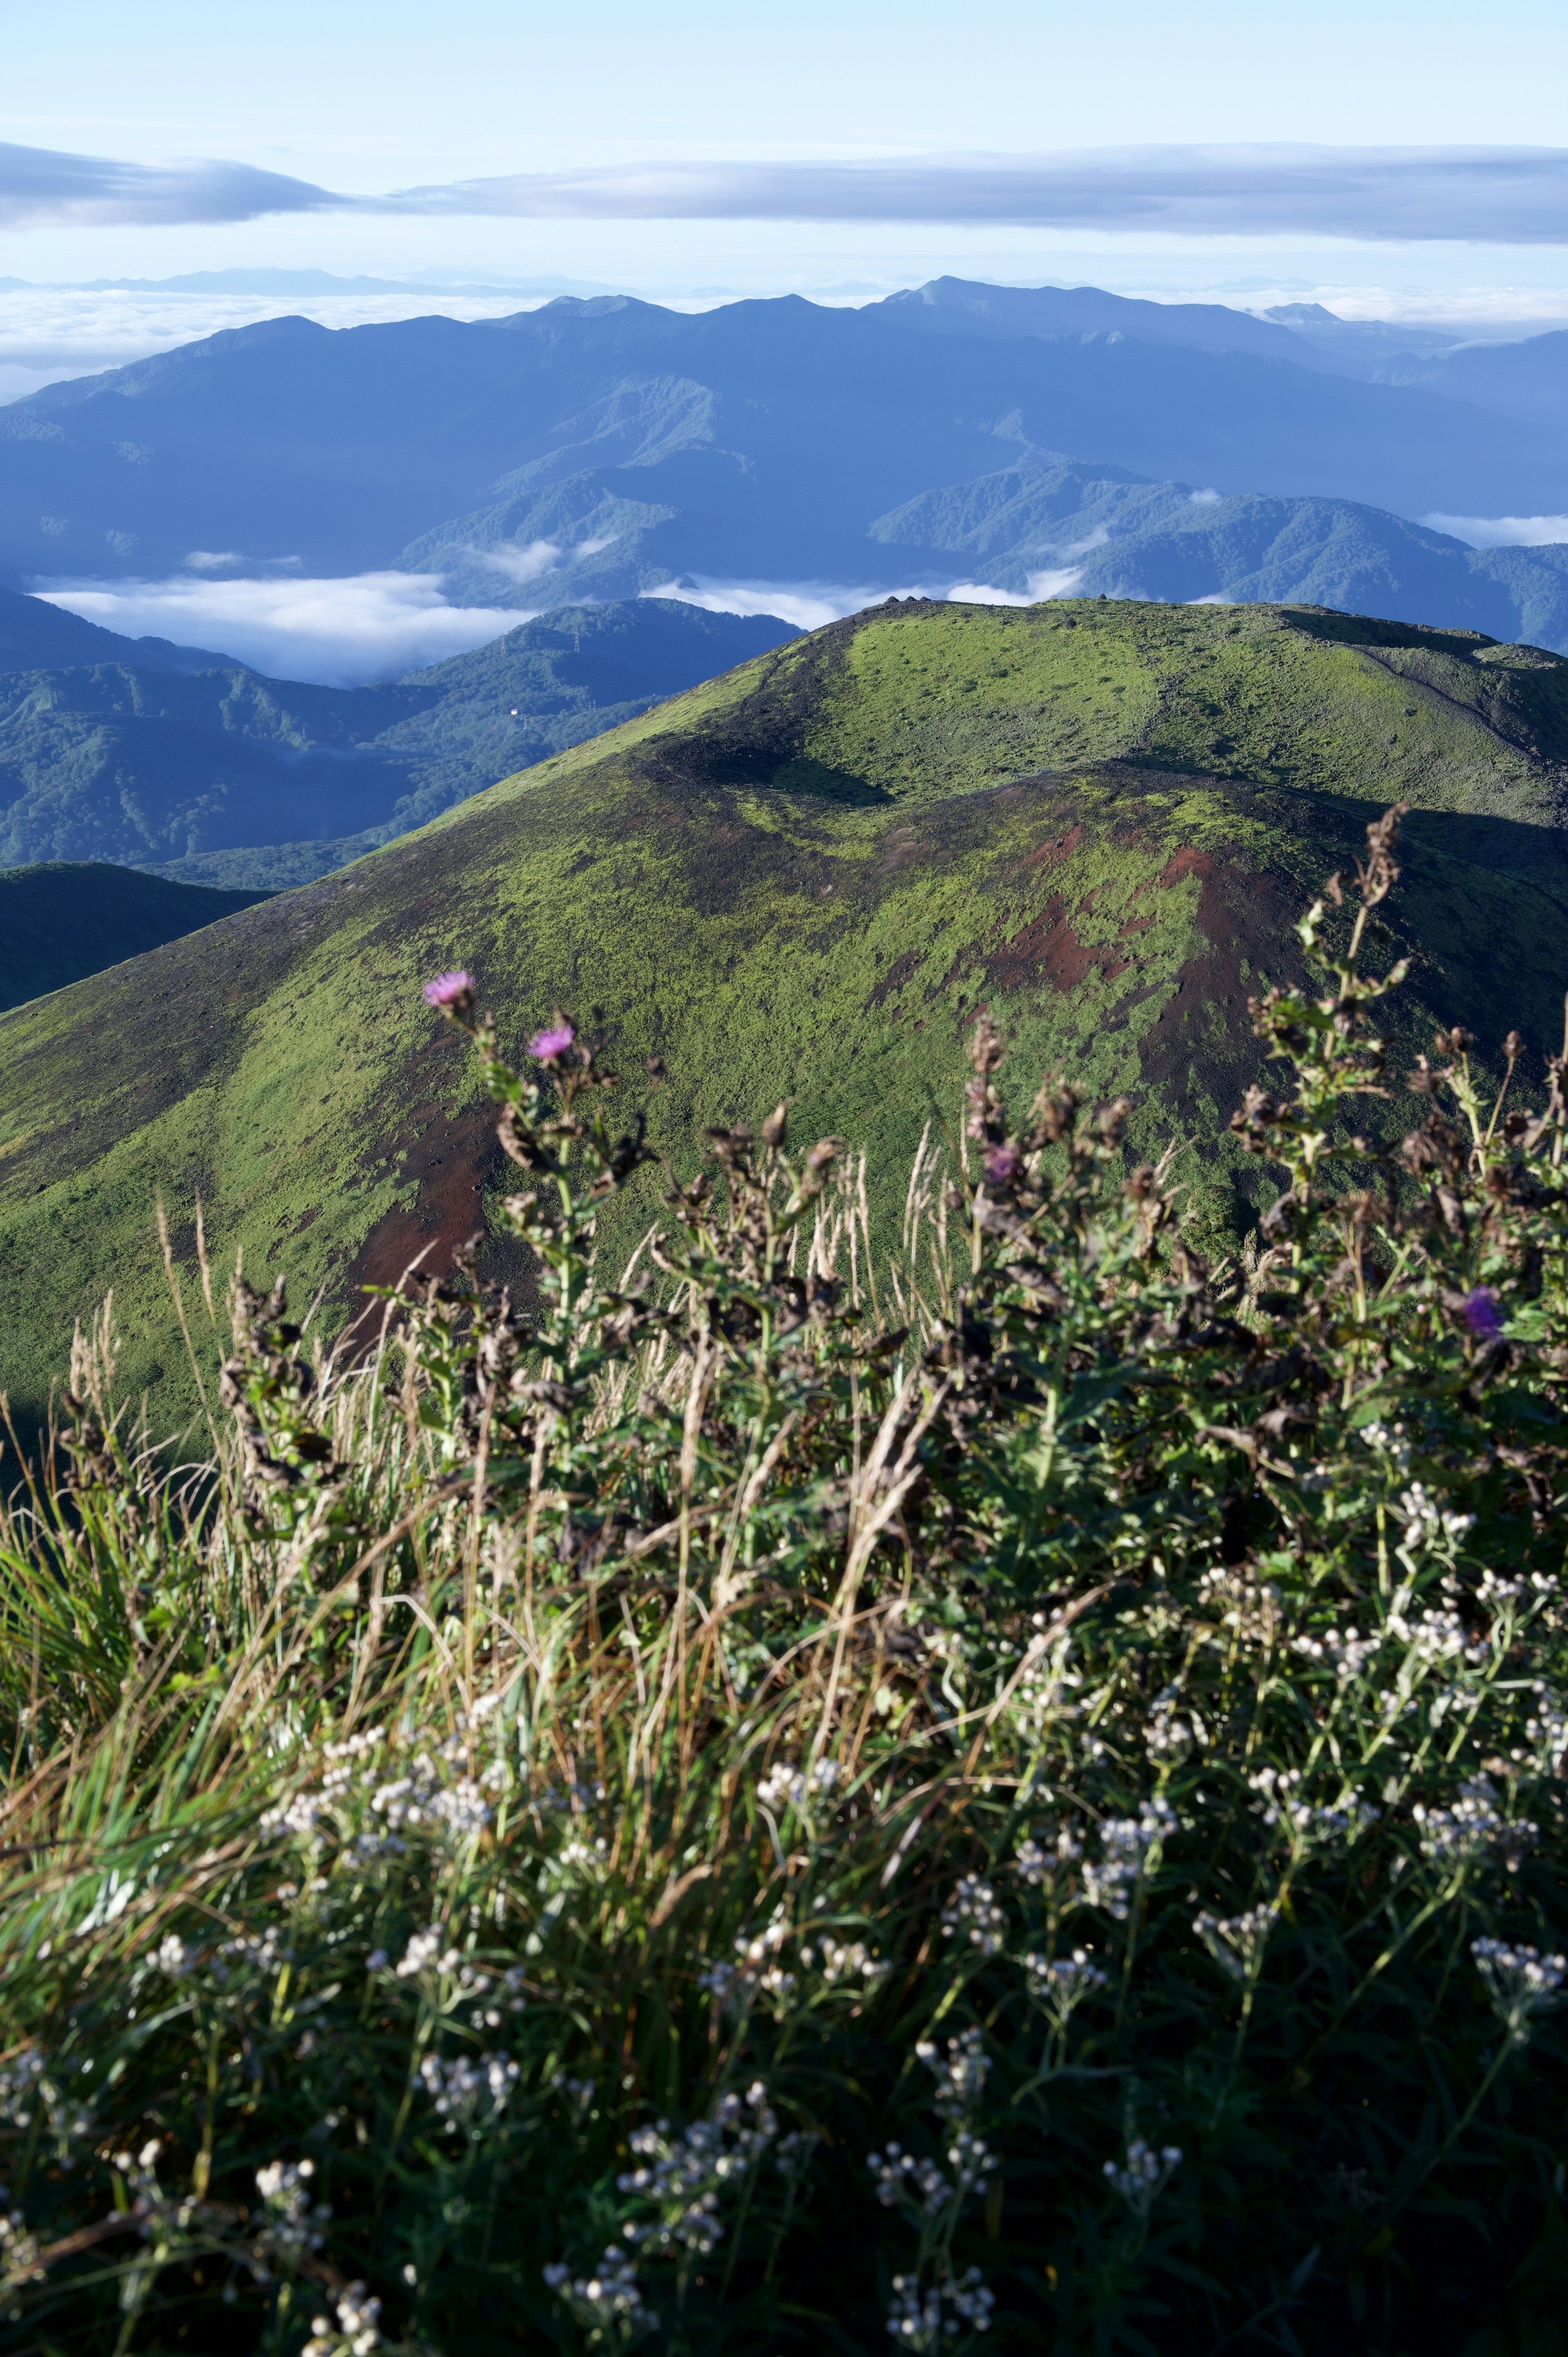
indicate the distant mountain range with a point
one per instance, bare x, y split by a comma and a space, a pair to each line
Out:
208, 773
598, 448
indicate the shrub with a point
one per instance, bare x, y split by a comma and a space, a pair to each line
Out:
1006, 1798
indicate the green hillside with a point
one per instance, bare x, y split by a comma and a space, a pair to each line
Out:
232, 778
801, 880
63, 919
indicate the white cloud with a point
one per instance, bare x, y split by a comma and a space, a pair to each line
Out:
982, 593
39, 186
1097, 539
344, 633
1479, 195
1501, 532
1206, 498
807, 604
1059, 581
208, 560
522, 564
810, 604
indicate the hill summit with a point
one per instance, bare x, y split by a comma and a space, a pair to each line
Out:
802, 880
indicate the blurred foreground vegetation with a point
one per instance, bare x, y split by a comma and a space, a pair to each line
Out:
1005, 1797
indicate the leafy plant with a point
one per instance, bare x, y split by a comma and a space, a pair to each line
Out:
776, 1801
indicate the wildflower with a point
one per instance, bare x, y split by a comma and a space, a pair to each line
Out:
927, 2321
358, 2331
468, 2094
295, 2224
1474, 1828
1003, 1165
684, 2176
903, 2181
1482, 1314
173, 1957
1125, 1844
962, 2077
974, 1912
548, 1046
1236, 1943
18, 2080
611, 2298
1520, 1981
1145, 2176
1061, 1982
1037, 1859
452, 993
785, 1786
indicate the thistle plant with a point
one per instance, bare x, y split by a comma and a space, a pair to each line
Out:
756, 1799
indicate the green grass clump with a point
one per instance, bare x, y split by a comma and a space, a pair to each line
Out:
783, 1792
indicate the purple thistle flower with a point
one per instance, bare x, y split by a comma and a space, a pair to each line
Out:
448, 988
1481, 1314
1003, 1164
547, 1045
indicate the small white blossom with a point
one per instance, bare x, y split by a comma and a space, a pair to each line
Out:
1145, 2174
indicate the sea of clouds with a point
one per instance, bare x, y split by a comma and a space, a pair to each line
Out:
368, 627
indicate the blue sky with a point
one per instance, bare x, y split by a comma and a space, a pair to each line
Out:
363, 99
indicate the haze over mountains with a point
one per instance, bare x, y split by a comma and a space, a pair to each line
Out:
604, 447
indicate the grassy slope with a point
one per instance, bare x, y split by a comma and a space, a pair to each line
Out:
64, 919
798, 881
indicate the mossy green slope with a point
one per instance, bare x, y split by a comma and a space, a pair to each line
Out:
800, 881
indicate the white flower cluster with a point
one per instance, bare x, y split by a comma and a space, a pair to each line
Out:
1279, 1805
1061, 1984
1426, 1523
1439, 1636
1249, 1607
1475, 1827
247, 1953
609, 2300
357, 2330
1125, 1843
785, 1786
903, 2181
758, 1970
932, 2319
853, 1961
1519, 1980
1547, 1729
1166, 1736
470, 2097
18, 2082
683, 2178
1044, 1681
1039, 1855
296, 2226
961, 2074
974, 1915
1346, 1649
1145, 2174
25, 2082
18, 2253
1237, 1943
433, 1793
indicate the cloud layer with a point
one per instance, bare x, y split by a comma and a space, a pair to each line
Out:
42, 189
1512, 196
1488, 195
344, 633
